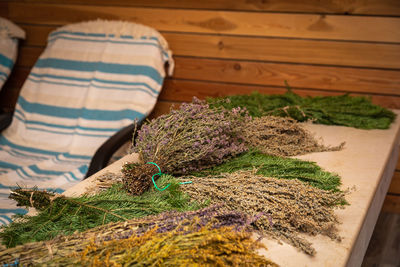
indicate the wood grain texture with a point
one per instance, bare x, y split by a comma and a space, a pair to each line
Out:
318, 77
365, 7
273, 74
183, 90
395, 184
286, 50
313, 26
391, 204
163, 107
385, 56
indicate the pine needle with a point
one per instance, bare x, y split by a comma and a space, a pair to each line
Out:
345, 110
277, 167
62, 215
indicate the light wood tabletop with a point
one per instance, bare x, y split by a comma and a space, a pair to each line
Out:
366, 165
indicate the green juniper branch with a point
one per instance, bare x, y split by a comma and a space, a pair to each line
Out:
277, 167
63, 215
345, 110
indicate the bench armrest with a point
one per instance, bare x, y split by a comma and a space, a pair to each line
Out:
108, 148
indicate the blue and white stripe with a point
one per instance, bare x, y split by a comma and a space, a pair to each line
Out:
8, 55
9, 35
86, 85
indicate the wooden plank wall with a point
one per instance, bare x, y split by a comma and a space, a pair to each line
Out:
226, 47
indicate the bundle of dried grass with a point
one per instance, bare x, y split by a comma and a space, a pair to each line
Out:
210, 231
287, 206
194, 247
282, 136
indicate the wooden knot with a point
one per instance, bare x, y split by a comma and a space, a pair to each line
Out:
221, 45
237, 66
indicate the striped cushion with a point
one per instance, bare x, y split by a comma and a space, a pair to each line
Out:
9, 34
93, 79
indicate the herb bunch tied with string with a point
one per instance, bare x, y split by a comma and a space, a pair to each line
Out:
192, 138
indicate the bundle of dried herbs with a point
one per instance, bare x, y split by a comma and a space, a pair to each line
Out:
185, 140
284, 137
63, 215
278, 167
287, 206
195, 247
63, 250
346, 110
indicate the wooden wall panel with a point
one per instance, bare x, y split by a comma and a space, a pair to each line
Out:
312, 26
272, 74
306, 76
373, 55
226, 47
287, 50
364, 7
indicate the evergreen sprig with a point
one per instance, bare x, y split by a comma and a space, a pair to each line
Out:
278, 167
345, 110
62, 215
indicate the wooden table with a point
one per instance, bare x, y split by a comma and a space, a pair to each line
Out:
366, 164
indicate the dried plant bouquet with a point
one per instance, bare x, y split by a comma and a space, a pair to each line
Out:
192, 138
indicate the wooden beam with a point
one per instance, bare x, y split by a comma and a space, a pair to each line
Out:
287, 50
312, 26
274, 74
364, 7
385, 56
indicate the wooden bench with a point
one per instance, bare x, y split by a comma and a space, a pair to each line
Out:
233, 47
228, 47
366, 170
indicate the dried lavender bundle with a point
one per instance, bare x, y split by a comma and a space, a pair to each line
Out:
185, 140
287, 206
62, 246
282, 136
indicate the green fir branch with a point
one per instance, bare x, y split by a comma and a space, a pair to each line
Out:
345, 110
278, 167
62, 215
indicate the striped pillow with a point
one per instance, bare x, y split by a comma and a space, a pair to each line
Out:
93, 79
9, 34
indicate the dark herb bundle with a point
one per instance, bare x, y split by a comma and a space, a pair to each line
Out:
185, 140
287, 207
62, 215
62, 247
358, 112
277, 167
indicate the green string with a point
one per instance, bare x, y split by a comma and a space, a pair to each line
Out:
160, 173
